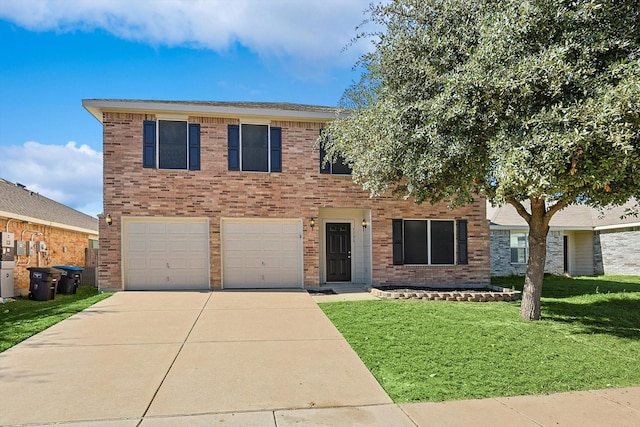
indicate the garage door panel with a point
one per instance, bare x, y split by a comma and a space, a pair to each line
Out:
263, 248
166, 254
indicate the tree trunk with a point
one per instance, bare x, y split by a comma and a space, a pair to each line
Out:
538, 230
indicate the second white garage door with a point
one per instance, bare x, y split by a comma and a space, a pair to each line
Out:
261, 253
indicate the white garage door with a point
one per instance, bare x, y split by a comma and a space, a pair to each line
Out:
261, 253
166, 253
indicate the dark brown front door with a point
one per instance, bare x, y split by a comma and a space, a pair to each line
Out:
338, 252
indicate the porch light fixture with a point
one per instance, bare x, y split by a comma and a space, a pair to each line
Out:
364, 224
108, 220
312, 222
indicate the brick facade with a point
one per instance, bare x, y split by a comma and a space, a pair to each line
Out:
65, 247
299, 191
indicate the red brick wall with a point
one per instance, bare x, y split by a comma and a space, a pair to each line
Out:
56, 240
298, 192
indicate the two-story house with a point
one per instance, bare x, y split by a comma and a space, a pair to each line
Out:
223, 195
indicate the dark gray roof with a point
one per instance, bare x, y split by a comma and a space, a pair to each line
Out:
18, 200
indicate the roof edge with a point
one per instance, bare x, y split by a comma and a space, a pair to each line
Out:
10, 215
315, 113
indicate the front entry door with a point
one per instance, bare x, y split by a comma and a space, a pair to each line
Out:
338, 252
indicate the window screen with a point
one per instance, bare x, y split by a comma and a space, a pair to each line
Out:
442, 243
255, 148
415, 242
172, 144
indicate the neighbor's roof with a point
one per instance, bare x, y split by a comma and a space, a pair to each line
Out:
18, 202
274, 110
574, 217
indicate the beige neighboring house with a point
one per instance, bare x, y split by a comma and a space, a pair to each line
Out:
582, 241
39, 232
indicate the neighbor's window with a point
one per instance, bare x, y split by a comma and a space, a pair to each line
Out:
254, 148
428, 242
518, 243
171, 144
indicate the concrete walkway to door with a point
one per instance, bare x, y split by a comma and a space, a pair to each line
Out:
240, 358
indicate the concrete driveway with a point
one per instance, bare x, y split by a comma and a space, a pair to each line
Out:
155, 356
237, 358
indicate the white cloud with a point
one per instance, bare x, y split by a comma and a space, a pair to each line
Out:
313, 30
68, 174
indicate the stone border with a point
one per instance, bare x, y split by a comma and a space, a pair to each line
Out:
492, 293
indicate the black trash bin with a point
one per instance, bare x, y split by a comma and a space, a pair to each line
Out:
43, 282
70, 278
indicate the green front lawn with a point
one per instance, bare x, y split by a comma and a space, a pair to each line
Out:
23, 318
589, 338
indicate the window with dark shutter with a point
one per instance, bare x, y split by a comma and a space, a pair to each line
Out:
149, 144
172, 149
463, 257
276, 149
233, 148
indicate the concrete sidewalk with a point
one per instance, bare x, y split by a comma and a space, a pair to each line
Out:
251, 358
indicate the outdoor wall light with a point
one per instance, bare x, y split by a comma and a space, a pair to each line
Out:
364, 224
108, 220
312, 222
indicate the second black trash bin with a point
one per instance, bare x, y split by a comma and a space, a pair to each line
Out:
70, 278
43, 282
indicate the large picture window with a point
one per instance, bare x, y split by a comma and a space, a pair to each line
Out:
428, 242
171, 144
255, 148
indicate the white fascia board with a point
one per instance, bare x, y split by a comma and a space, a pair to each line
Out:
24, 218
97, 107
613, 227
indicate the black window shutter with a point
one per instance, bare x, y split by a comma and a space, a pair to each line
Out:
276, 149
233, 148
149, 144
463, 257
324, 167
398, 256
194, 146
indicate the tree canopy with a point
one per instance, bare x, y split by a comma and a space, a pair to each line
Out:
533, 100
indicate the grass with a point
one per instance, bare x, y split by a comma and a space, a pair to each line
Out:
23, 318
589, 338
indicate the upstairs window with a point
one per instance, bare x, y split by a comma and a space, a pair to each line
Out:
339, 167
518, 242
171, 144
428, 242
254, 148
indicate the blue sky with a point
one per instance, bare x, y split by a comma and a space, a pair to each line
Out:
54, 53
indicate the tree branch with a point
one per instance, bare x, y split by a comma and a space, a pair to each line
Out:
521, 210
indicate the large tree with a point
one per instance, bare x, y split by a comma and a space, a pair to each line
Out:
532, 103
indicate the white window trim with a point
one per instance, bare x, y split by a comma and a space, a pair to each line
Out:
526, 246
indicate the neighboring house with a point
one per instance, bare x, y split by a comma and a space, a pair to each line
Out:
211, 195
582, 241
51, 234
